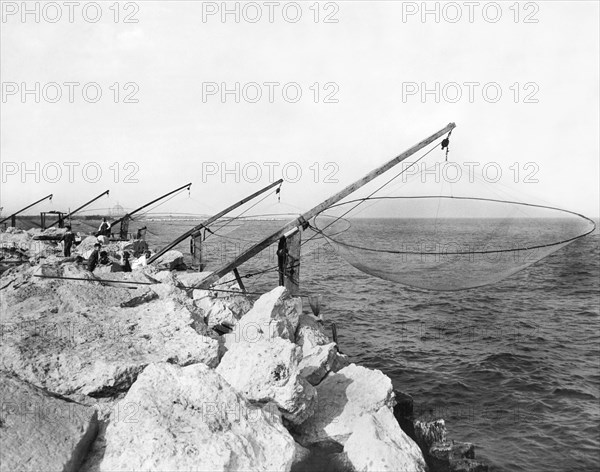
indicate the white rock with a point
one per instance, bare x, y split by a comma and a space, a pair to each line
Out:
379, 444
343, 397
86, 246
318, 362
310, 333
73, 337
268, 370
274, 314
222, 310
189, 418
39, 431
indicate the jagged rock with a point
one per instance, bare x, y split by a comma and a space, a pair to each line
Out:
39, 431
454, 456
86, 246
170, 260
342, 398
468, 465
378, 444
221, 310
52, 234
429, 432
451, 451
103, 240
317, 362
98, 350
191, 419
274, 314
340, 361
310, 332
268, 370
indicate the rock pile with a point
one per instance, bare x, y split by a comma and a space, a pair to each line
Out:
155, 388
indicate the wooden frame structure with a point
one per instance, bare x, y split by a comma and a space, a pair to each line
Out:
301, 222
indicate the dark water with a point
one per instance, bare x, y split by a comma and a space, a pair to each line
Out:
512, 367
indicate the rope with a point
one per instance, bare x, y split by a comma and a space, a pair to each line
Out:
245, 211
360, 201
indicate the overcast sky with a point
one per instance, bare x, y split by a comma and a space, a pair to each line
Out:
370, 61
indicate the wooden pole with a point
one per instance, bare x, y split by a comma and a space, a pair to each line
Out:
13, 217
212, 219
77, 209
304, 218
128, 215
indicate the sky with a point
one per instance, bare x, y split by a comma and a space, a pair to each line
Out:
326, 92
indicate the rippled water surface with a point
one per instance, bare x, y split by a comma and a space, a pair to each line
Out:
513, 367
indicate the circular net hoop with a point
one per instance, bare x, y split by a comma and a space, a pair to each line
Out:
449, 243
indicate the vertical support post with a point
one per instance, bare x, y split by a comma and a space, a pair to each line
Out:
196, 246
124, 229
289, 261
239, 280
42, 220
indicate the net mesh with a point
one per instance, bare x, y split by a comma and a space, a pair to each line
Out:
447, 242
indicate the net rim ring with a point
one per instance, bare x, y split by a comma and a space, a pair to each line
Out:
450, 197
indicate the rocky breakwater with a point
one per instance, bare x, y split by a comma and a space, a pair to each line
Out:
155, 388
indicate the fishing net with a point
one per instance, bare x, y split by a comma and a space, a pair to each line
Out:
448, 242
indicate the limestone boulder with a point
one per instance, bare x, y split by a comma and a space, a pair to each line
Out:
343, 397
52, 233
98, 350
429, 432
170, 260
310, 332
318, 362
190, 418
274, 314
218, 310
268, 371
379, 444
39, 431
86, 245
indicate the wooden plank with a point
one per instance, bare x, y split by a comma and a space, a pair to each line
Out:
298, 222
212, 219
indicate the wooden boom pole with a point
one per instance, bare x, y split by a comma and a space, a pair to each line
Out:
26, 208
212, 219
304, 218
186, 186
81, 207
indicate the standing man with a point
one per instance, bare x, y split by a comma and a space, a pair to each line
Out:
68, 239
104, 228
93, 260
